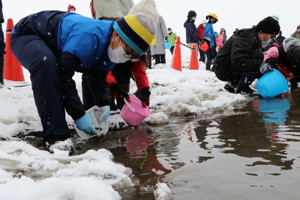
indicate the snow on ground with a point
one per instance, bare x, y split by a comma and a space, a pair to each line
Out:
29, 173
162, 192
187, 92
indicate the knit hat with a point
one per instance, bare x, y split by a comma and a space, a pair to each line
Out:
268, 25
147, 7
71, 7
191, 14
137, 31
276, 17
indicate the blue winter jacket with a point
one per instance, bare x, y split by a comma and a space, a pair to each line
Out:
191, 32
87, 39
210, 34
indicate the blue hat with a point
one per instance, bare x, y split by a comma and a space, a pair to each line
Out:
192, 14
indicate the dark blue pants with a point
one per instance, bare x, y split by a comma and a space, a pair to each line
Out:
36, 56
202, 56
210, 55
34, 44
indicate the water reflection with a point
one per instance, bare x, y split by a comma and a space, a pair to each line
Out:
135, 148
274, 110
257, 134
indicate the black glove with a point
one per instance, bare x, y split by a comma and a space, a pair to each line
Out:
144, 96
273, 62
115, 88
265, 68
166, 38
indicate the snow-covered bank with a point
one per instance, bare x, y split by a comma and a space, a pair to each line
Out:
28, 173
187, 92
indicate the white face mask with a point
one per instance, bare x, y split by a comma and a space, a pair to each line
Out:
266, 43
117, 55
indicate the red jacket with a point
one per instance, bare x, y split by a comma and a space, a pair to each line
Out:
139, 71
200, 30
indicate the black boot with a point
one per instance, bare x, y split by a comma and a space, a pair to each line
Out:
163, 58
157, 59
231, 86
208, 64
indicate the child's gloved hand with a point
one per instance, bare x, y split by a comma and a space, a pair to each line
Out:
265, 68
144, 96
85, 124
115, 88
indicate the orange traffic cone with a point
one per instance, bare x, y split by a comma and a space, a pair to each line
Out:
12, 68
194, 64
176, 62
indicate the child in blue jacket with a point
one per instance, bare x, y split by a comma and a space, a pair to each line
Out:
210, 35
53, 45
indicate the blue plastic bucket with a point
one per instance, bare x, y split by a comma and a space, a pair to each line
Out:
167, 45
272, 84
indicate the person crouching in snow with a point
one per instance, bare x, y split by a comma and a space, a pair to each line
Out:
53, 45
240, 61
296, 34
291, 57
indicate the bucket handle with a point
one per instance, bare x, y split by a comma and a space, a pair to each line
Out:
129, 106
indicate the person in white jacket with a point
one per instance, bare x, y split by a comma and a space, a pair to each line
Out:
161, 34
110, 9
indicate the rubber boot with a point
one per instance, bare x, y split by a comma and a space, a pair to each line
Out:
208, 64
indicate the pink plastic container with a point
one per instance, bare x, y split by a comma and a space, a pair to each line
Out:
133, 112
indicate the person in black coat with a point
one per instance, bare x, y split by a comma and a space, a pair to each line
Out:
2, 45
240, 61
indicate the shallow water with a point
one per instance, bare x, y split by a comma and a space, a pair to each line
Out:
253, 153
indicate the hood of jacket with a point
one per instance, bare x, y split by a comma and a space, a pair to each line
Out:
247, 33
290, 42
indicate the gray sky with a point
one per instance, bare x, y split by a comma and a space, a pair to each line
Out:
232, 13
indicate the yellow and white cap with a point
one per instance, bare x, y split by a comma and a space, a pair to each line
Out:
137, 31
